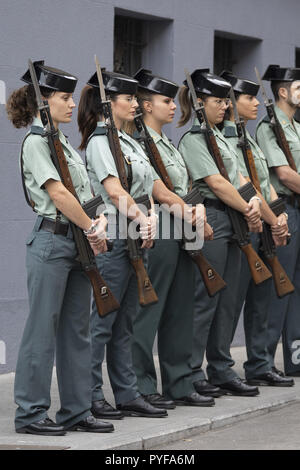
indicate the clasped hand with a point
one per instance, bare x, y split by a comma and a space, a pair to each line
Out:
98, 238
148, 230
253, 216
280, 231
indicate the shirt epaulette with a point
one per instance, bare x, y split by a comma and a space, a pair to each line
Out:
196, 129
37, 130
230, 131
100, 131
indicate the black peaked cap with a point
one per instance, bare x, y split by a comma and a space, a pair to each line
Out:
281, 74
156, 84
209, 84
52, 78
115, 82
246, 87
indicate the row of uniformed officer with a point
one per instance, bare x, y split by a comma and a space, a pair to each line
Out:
214, 319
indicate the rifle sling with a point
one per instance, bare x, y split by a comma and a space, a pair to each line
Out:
36, 130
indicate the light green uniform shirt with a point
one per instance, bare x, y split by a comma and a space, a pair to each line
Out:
230, 132
100, 165
200, 163
172, 161
38, 168
275, 156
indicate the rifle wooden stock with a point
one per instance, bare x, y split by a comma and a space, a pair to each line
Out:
282, 283
104, 299
258, 269
147, 294
212, 280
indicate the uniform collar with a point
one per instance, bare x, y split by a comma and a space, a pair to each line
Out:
157, 137
228, 123
282, 117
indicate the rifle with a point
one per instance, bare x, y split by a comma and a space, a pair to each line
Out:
104, 298
146, 292
212, 280
282, 283
258, 269
277, 129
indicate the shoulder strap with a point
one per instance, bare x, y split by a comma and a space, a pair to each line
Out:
97, 131
230, 131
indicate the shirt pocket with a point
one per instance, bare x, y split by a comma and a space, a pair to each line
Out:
77, 171
230, 165
141, 175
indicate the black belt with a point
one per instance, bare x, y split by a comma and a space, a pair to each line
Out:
291, 200
219, 205
58, 228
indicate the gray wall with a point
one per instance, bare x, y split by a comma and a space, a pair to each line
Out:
67, 33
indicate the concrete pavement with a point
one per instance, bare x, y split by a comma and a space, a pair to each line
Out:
146, 433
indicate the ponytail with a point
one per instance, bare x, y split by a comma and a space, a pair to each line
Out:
185, 106
185, 102
22, 106
88, 113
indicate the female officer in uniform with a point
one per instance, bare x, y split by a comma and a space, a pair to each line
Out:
59, 291
113, 331
170, 269
257, 368
214, 318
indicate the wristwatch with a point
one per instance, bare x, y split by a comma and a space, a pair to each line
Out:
257, 198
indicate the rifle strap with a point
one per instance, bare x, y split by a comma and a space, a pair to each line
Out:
36, 130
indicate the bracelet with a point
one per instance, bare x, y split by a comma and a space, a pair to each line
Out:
286, 215
92, 229
257, 198
153, 213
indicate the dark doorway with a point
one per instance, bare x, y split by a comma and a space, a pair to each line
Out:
128, 44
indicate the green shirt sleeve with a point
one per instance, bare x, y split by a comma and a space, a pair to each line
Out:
100, 159
197, 157
37, 160
267, 141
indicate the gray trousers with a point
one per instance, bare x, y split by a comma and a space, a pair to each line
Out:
113, 332
214, 317
59, 308
256, 298
172, 274
284, 314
